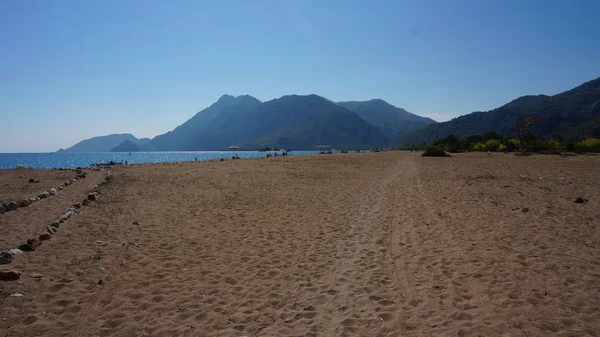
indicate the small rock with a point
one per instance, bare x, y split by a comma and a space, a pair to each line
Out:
16, 295
44, 195
59, 188
82, 175
27, 247
579, 200
12, 206
85, 202
51, 229
525, 209
45, 236
67, 183
25, 203
310, 308
55, 224
62, 218
77, 205
33, 199
53, 191
15, 252
100, 282
2, 209
5, 257
36, 275
91, 196
9, 275
32, 180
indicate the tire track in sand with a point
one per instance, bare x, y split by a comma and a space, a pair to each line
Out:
365, 291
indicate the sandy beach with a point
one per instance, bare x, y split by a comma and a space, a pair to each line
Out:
370, 244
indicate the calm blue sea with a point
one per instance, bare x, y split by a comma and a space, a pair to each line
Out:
70, 160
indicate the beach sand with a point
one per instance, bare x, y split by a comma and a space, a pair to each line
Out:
28, 222
372, 244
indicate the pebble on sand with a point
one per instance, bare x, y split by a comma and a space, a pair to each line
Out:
25, 203
45, 236
15, 251
5, 257
26, 247
9, 275
12, 206
36, 275
52, 191
85, 202
91, 196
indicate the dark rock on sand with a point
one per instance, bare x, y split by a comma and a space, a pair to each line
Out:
25, 203
579, 200
26, 247
9, 275
77, 205
12, 206
5, 257
2, 209
91, 196
44, 195
85, 202
45, 236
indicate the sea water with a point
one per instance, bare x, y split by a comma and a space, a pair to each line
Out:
76, 159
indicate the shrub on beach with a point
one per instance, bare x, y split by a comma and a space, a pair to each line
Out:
435, 152
588, 145
479, 147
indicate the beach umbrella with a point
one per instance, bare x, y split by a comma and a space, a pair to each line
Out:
234, 148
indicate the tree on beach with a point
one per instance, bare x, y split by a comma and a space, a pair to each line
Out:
523, 126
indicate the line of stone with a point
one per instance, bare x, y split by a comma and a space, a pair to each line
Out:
13, 205
7, 257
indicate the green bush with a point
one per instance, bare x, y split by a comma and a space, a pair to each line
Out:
479, 147
493, 145
588, 145
538, 145
435, 152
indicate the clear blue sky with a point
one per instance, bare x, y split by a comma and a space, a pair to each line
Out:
71, 70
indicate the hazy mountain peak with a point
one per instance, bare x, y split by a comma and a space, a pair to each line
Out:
104, 143
393, 121
226, 97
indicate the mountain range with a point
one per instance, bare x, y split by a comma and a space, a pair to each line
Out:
394, 122
302, 122
105, 143
293, 121
571, 115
